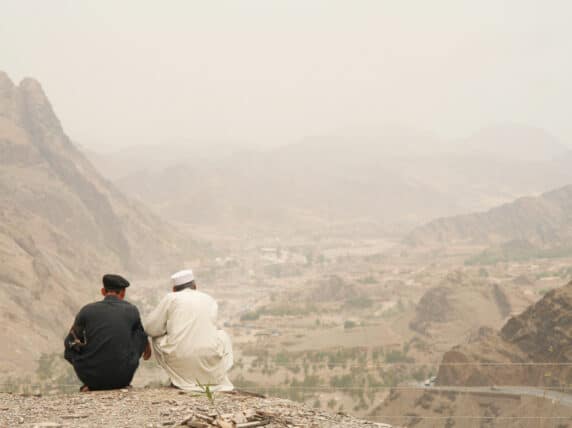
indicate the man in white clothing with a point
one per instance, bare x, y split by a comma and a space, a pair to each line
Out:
185, 339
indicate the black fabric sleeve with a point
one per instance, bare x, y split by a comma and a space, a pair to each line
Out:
78, 327
139, 335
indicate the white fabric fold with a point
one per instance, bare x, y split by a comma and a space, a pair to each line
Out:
187, 343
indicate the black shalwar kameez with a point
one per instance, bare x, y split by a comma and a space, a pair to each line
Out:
105, 344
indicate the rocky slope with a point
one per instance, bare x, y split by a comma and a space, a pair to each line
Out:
462, 307
61, 227
437, 408
495, 379
165, 407
542, 221
532, 349
461, 303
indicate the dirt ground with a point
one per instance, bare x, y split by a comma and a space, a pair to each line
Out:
161, 407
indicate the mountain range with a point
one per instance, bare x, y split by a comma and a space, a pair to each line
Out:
384, 185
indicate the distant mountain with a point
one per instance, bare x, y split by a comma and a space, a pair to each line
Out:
390, 183
544, 221
306, 186
124, 162
512, 141
61, 227
533, 348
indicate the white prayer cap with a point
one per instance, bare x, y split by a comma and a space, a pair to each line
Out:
182, 277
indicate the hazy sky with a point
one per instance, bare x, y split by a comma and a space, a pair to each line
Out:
128, 72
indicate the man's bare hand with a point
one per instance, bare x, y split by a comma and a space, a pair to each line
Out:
147, 352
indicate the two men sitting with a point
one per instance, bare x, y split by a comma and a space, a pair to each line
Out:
108, 338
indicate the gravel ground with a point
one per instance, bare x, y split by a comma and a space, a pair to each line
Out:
163, 407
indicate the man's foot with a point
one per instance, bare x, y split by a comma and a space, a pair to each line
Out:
84, 388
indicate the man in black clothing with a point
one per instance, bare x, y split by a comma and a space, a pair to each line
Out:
107, 339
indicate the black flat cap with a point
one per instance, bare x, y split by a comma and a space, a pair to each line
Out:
114, 282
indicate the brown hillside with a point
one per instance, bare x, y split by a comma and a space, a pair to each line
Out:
61, 227
543, 221
533, 348
459, 305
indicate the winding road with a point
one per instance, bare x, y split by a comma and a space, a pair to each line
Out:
557, 396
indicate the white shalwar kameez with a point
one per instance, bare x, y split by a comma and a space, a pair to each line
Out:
187, 343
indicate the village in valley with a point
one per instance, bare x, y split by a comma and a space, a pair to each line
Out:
337, 323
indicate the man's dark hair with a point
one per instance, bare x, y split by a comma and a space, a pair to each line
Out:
190, 284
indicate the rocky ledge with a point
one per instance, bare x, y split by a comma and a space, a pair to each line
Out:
164, 407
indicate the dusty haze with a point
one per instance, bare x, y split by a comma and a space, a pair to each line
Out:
378, 194
261, 72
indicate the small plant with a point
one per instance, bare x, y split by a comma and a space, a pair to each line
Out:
206, 390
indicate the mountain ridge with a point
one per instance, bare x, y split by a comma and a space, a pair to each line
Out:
62, 227
392, 183
543, 220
